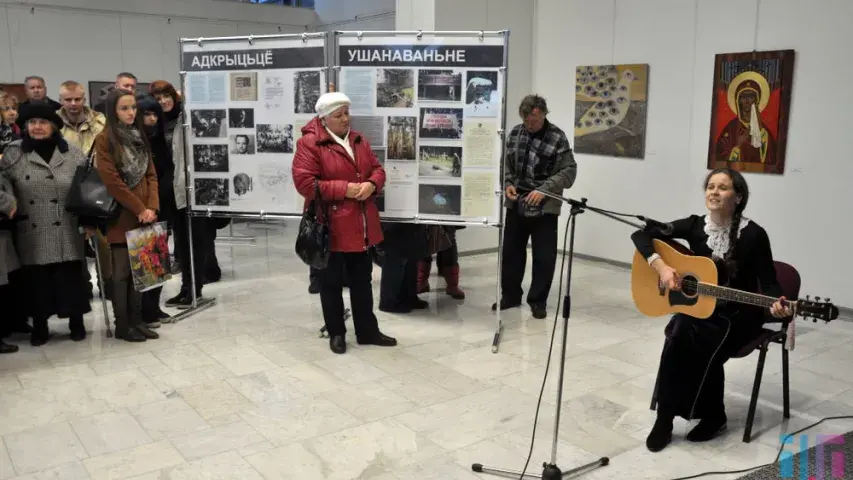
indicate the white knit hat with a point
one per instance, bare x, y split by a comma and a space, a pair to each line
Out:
329, 102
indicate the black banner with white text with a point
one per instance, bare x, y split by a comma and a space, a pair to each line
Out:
472, 56
257, 59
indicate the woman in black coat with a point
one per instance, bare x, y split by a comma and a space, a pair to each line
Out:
155, 129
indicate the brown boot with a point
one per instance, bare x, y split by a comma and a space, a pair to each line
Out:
451, 277
424, 268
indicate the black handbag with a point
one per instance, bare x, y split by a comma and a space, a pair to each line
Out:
88, 196
312, 240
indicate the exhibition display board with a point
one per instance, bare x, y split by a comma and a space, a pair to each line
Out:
431, 105
246, 100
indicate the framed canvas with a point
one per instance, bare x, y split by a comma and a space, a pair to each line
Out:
750, 111
18, 90
98, 91
610, 110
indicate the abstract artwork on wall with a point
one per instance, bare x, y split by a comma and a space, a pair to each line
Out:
98, 91
610, 110
749, 115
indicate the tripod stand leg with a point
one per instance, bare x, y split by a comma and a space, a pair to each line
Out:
500, 472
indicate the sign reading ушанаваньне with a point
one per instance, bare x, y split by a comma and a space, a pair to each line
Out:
256, 59
482, 56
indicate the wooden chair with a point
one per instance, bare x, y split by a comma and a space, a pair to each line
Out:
789, 280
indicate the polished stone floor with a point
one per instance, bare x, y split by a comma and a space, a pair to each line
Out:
247, 390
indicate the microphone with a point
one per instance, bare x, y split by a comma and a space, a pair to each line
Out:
665, 228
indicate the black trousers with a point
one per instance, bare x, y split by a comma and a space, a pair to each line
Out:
203, 241
127, 301
697, 349
359, 271
399, 284
14, 317
542, 232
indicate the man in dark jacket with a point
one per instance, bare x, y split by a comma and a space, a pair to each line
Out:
538, 157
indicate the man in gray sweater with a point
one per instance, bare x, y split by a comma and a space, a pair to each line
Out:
538, 156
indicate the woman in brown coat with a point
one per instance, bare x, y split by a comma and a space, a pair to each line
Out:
123, 159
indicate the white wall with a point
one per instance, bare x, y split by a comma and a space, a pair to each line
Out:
349, 15
517, 17
805, 211
93, 40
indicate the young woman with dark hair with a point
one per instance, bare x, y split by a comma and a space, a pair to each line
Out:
691, 370
124, 161
204, 232
161, 152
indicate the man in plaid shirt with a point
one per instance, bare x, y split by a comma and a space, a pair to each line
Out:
538, 156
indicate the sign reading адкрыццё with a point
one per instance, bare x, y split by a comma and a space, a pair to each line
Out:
257, 59
483, 56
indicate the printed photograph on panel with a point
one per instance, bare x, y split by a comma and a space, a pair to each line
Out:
244, 87
306, 91
439, 199
210, 158
440, 162
440, 85
209, 124
610, 110
750, 111
401, 138
241, 118
243, 184
211, 192
395, 88
441, 123
275, 139
481, 94
243, 144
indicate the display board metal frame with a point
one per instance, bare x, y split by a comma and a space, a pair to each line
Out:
479, 38
252, 43
332, 78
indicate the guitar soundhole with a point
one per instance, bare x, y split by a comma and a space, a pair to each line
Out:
689, 286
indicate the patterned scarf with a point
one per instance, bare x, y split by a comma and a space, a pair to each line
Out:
135, 156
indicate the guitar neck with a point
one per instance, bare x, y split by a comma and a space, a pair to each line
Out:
739, 296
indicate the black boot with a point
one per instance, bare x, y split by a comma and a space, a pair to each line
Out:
661, 433
124, 329
40, 334
708, 428
77, 327
6, 348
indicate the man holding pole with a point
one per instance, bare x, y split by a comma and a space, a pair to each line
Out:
538, 157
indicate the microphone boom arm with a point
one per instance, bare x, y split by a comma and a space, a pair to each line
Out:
581, 206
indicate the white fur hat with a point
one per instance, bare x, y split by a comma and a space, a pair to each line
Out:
329, 102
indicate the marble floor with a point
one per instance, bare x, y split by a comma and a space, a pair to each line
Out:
247, 390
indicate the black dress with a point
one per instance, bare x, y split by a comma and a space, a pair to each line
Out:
691, 372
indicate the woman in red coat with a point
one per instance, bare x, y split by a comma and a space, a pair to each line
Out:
340, 162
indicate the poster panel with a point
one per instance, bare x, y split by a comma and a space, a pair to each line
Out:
431, 107
246, 101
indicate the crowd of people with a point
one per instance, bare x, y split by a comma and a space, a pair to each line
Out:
135, 141
137, 145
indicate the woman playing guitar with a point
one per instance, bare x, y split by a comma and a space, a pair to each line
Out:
691, 371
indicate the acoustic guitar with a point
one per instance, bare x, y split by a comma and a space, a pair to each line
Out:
700, 289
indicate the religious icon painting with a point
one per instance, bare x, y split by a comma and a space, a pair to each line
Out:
610, 110
750, 111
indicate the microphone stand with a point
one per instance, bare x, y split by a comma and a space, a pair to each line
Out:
550, 470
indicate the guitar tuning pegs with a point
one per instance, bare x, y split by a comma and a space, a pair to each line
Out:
827, 300
817, 298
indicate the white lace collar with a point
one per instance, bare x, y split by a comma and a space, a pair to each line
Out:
718, 235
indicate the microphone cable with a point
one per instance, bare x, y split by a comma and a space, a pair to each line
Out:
551, 347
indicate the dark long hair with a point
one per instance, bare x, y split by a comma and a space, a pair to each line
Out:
113, 124
741, 190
